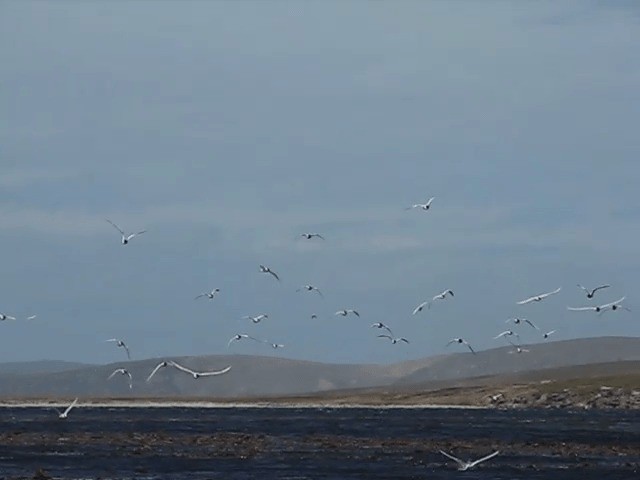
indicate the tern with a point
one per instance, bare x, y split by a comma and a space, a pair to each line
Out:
591, 293
65, 414
6, 317
440, 296
275, 345
539, 297
200, 374
422, 206
381, 325
209, 295
257, 318
264, 269
517, 321
309, 236
462, 465
600, 308
240, 336
125, 238
122, 371
518, 349
345, 312
394, 340
548, 334
310, 288
461, 340
120, 343
162, 364
507, 333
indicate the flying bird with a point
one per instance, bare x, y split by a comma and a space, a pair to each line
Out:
518, 349
440, 296
422, 206
548, 334
122, 371
257, 318
6, 317
264, 269
314, 316
209, 295
517, 321
65, 414
121, 344
200, 374
506, 333
600, 308
462, 465
309, 236
275, 345
463, 341
539, 297
381, 325
125, 238
344, 313
240, 336
310, 288
162, 364
591, 293
394, 340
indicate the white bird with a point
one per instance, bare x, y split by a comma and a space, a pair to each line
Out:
422, 206
420, 307
517, 321
381, 325
162, 364
537, 298
600, 308
507, 333
264, 269
345, 312
440, 296
518, 349
240, 336
125, 237
496, 397
548, 334
462, 465
122, 371
275, 345
463, 341
394, 340
65, 414
6, 317
200, 374
591, 293
310, 288
309, 236
209, 295
257, 318
120, 343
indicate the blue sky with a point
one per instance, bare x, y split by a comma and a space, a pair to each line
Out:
227, 128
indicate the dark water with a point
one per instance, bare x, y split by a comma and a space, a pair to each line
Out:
322, 443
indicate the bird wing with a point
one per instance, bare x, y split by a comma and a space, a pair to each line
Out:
404, 340
419, 308
455, 340
117, 370
216, 372
116, 226
231, 341
126, 350
319, 236
545, 295
31, 317
583, 288
612, 303
528, 300
470, 347
180, 367
581, 309
480, 460
550, 332
387, 329
502, 334
385, 336
355, 313
112, 340
531, 323
158, 367
201, 295
73, 404
130, 236
317, 290
455, 459
600, 288
275, 275
430, 200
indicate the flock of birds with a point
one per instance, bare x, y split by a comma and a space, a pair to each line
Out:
388, 332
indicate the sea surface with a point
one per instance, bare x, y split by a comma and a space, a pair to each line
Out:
317, 443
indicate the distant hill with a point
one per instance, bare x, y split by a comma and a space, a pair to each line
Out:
256, 376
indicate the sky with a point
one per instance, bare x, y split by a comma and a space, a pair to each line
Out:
225, 129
